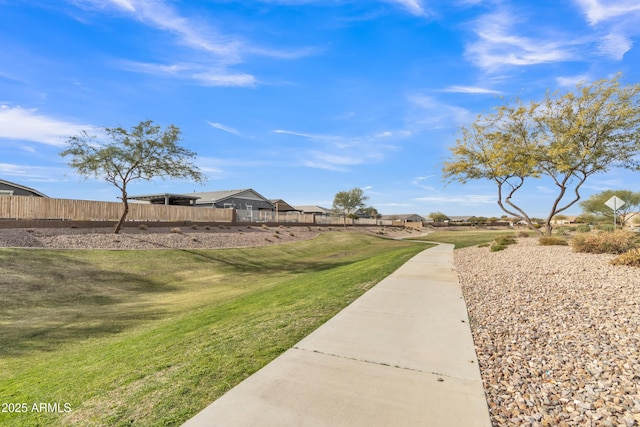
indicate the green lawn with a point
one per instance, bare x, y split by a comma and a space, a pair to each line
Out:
466, 237
150, 338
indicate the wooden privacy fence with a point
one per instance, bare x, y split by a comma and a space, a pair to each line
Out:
23, 207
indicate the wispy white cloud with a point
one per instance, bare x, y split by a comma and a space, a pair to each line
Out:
31, 173
342, 141
418, 181
615, 22
463, 199
304, 134
471, 90
572, 81
597, 11
339, 152
335, 162
123, 4
415, 7
200, 73
225, 128
499, 45
222, 51
28, 125
545, 190
605, 184
434, 113
393, 205
614, 45
190, 32
223, 79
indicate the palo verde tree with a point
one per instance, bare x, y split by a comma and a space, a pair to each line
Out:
595, 205
565, 138
438, 217
143, 152
346, 203
372, 212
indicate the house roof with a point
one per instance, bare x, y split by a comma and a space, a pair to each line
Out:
459, 218
219, 196
313, 209
160, 197
23, 187
403, 217
283, 206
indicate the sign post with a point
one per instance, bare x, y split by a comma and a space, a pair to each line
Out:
614, 203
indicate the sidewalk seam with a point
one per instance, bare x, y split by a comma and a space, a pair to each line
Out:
372, 362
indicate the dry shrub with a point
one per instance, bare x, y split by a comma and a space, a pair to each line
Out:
507, 239
523, 234
176, 230
617, 242
630, 258
552, 241
143, 227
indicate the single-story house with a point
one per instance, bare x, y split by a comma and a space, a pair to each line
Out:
564, 220
282, 206
459, 219
8, 188
166, 199
246, 199
403, 217
318, 210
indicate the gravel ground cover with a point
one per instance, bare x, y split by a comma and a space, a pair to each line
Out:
154, 238
557, 334
174, 238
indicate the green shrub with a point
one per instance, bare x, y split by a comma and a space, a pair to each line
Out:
604, 243
507, 239
552, 241
564, 231
501, 242
497, 247
583, 228
484, 245
630, 258
605, 227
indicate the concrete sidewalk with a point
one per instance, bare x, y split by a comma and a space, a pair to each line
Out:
400, 355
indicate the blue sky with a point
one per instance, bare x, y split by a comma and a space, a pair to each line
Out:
299, 99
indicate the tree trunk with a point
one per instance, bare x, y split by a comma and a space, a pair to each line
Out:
124, 215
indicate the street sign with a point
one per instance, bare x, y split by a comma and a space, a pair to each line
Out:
614, 203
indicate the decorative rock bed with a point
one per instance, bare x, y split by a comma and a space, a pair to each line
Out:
557, 334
